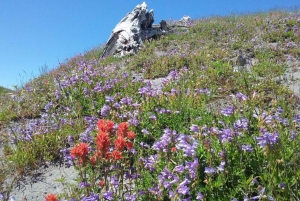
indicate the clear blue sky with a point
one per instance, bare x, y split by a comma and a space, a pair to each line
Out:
35, 33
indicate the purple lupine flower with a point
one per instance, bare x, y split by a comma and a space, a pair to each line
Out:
116, 105
143, 144
293, 135
141, 192
153, 117
192, 167
86, 92
134, 121
241, 124
163, 143
187, 144
92, 197
162, 111
179, 168
174, 92
124, 101
295, 28
297, 118
194, 128
277, 117
267, 139
226, 135
105, 110
109, 99
48, 106
85, 136
144, 90
183, 189
261, 194
108, 195
129, 197
282, 185
268, 119
167, 179
171, 194
114, 181
83, 184
221, 167
131, 176
241, 97
228, 111
247, 148
154, 190
98, 87
210, 170
150, 162
145, 131
279, 110
174, 74
70, 138
200, 196
57, 94
167, 184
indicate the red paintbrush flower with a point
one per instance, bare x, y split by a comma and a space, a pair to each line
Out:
130, 135
120, 143
105, 125
129, 145
51, 197
102, 142
116, 155
81, 150
122, 129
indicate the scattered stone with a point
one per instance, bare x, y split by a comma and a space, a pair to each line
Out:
185, 20
241, 60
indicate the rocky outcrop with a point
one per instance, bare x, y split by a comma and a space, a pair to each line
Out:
128, 35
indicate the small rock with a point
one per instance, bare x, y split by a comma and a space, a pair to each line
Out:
241, 61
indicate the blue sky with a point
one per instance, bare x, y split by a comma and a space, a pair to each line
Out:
38, 33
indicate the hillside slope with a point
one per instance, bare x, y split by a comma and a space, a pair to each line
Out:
206, 114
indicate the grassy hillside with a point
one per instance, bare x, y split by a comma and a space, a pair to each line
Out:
3, 90
198, 115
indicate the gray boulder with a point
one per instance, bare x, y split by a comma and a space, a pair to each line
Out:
128, 35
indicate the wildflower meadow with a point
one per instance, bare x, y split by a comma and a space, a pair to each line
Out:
180, 120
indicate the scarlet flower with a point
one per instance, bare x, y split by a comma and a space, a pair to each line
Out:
122, 129
81, 150
131, 135
51, 197
103, 142
129, 145
116, 155
120, 143
93, 159
105, 125
173, 149
101, 183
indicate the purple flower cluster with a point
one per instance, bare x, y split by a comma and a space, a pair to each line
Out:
267, 138
187, 144
165, 141
228, 111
